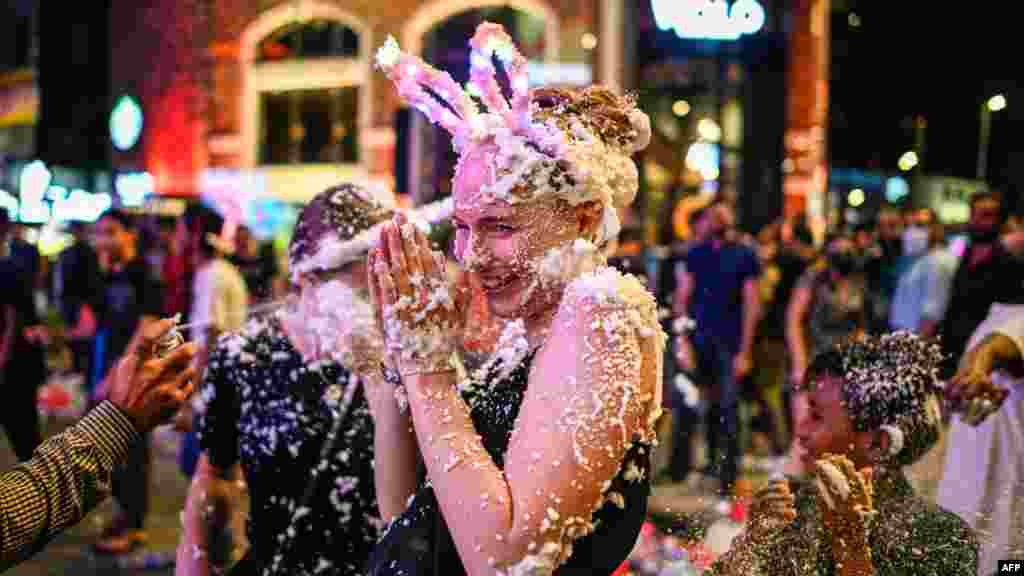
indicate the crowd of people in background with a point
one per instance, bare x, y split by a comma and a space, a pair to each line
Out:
746, 316
763, 307
116, 277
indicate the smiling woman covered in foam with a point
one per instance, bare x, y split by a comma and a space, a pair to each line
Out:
537, 462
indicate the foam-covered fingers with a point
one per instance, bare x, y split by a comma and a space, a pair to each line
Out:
371, 278
425, 254
415, 257
858, 480
774, 497
396, 258
388, 292
832, 485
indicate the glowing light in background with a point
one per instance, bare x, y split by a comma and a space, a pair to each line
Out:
9, 202
896, 189
125, 123
997, 103
42, 202
51, 241
855, 197
853, 20
908, 161
709, 19
703, 157
540, 73
681, 108
82, 206
709, 130
33, 183
133, 188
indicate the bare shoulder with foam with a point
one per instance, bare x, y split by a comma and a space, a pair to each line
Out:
605, 290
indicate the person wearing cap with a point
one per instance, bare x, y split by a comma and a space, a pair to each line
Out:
72, 472
290, 396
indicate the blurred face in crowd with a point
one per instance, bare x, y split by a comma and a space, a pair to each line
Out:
890, 226
721, 219
699, 226
863, 239
245, 242
114, 239
985, 220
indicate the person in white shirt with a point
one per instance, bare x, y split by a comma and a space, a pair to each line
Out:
922, 293
219, 294
220, 303
983, 474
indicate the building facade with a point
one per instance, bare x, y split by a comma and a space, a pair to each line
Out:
281, 98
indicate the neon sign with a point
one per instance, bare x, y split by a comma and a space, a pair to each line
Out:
709, 19
34, 182
125, 123
134, 188
42, 201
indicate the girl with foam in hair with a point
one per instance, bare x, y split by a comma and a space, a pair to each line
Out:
538, 461
873, 408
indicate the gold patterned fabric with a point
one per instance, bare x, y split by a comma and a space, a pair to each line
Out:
911, 536
65, 479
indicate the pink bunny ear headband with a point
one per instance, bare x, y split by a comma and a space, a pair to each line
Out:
529, 151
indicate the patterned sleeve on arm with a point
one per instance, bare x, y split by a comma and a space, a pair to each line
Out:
65, 479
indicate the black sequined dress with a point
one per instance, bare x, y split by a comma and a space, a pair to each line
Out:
288, 422
418, 543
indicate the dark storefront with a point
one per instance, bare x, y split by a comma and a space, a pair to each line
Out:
715, 92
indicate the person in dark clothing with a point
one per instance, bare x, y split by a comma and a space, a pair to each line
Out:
882, 268
256, 263
22, 362
987, 273
628, 257
77, 287
720, 286
131, 300
679, 389
783, 270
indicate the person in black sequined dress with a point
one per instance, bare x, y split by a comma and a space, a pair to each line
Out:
301, 425
538, 461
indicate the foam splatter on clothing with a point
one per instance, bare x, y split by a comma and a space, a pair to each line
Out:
418, 542
267, 408
911, 536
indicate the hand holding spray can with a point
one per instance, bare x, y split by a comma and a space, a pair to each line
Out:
170, 340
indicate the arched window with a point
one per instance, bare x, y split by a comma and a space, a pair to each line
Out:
306, 117
311, 39
445, 47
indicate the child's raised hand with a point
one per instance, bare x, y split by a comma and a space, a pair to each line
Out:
773, 508
845, 499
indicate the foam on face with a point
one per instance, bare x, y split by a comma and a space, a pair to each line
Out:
336, 324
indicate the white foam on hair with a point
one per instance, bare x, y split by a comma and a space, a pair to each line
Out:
333, 252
